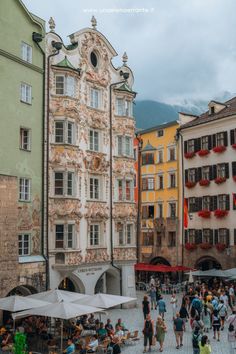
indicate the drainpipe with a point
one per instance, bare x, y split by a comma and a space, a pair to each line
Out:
140, 143
37, 38
125, 75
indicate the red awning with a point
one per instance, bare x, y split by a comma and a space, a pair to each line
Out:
159, 268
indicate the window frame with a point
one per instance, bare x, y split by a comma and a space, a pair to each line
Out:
93, 145
66, 89
65, 124
95, 102
22, 248
26, 52
94, 235
64, 243
28, 148
24, 96
94, 188
24, 193
65, 184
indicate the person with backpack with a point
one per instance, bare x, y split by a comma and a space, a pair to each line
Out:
216, 324
197, 304
196, 337
148, 331
206, 318
162, 307
222, 310
179, 330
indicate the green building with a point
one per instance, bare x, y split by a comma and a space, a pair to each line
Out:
21, 149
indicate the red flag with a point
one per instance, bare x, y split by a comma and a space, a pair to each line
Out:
185, 213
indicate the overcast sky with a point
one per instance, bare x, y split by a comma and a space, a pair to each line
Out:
178, 49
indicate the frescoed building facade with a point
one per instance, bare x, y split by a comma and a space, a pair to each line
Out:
159, 237
209, 167
21, 152
92, 212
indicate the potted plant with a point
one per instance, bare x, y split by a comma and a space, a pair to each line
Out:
190, 246
204, 214
234, 146
204, 182
219, 213
189, 155
234, 178
220, 180
219, 149
203, 152
205, 246
220, 247
190, 184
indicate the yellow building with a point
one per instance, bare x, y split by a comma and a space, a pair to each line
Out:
159, 236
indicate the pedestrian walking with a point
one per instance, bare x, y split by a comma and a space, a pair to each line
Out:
204, 345
216, 324
184, 313
222, 310
148, 332
196, 337
146, 306
232, 331
179, 330
152, 294
173, 302
198, 323
162, 307
197, 304
206, 318
160, 332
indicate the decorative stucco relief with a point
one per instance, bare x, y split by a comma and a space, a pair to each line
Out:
96, 210
96, 162
65, 208
125, 210
123, 166
124, 254
73, 258
66, 155
96, 255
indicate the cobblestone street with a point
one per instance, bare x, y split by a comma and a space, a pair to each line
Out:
133, 319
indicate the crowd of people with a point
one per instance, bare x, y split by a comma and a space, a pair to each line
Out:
206, 306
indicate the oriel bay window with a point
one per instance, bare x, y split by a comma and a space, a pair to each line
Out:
65, 85
125, 190
148, 158
125, 146
64, 183
124, 107
64, 132
64, 236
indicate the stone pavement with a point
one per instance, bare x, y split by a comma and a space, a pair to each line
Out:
133, 318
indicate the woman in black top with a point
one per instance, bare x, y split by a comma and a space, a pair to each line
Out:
148, 331
146, 306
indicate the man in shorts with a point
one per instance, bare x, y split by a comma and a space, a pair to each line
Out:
179, 330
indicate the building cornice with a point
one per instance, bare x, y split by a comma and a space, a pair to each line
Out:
21, 61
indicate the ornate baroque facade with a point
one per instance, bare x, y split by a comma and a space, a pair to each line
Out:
81, 75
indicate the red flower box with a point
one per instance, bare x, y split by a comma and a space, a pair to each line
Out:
204, 214
190, 184
219, 149
234, 178
220, 180
203, 152
234, 146
189, 155
205, 246
190, 246
204, 182
220, 247
220, 213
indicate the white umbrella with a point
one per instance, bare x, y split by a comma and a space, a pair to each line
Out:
19, 303
190, 279
105, 301
58, 296
63, 310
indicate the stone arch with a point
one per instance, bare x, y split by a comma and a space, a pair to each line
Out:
23, 290
160, 260
108, 282
72, 283
207, 262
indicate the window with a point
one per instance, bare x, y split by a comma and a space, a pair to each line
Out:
95, 98
171, 152
64, 132
160, 210
207, 236
129, 233
94, 59
190, 145
212, 110
128, 190
206, 172
172, 180
25, 139
24, 190
222, 202
65, 85
206, 202
191, 235
148, 238
160, 133
93, 140
205, 143
120, 189
172, 238
192, 204
223, 236
160, 156
147, 159
148, 183
124, 146
148, 212
135, 180
25, 93
94, 234
64, 235
221, 170
161, 182
220, 141
121, 234
64, 183
172, 207
123, 107
94, 188
26, 52
135, 154
24, 244
125, 189
192, 175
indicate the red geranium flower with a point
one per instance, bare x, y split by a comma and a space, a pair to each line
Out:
190, 246
203, 152
234, 146
219, 149
220, 213
189, 155
205, 246
204, 182
220, 180
220, 247
204, 214
190, 184
234, 178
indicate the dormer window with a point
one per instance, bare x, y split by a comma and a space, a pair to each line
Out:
212, 110
215, 107
94, 59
